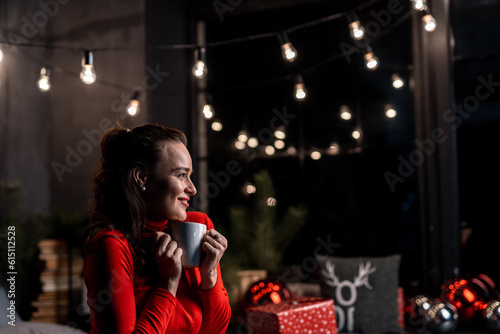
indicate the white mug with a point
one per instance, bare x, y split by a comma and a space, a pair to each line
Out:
189, 237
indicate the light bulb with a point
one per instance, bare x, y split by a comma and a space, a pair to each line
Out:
429, 23
208, 111
397, 82
356, 134
1, 55
356, 30
300, 92
88, 74
134, 106
333, 149
252, 142
280, 133
270, 150
289, 52
271, 201
279, 144
419, 4
315, 155
239, 145
291, 150
217, 126
250, 189
199, 67
390, 113
371, 62
243, 136
345, 113
44, 81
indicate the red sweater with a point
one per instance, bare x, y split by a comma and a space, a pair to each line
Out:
123, 301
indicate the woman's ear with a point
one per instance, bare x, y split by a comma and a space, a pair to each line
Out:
140, 176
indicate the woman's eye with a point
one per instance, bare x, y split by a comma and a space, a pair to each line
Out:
182, 175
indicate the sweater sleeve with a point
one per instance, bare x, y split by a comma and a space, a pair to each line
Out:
109, 272
215, 303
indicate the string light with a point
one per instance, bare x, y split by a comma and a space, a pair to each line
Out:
279, 144
315, 155
280, 133
269, 150
429, 22
356, 30
134, 106
345, 113
371, 62
243, 136
44, 81
390, 112
250, 188
397, 82
333, 149
299, 92
208, 111
239, 145
88, 74
217, 126
252, 142
200, 67
291, 150
271, 201
419, 4
356, 134
288, 52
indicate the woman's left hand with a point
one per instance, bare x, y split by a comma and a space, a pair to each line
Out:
214, 245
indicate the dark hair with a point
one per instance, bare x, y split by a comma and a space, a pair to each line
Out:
118, 202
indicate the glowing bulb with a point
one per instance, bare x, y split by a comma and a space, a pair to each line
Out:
315, 155
279, 144
269, 150
390, 113
300, 92
250, 188
289, 52
291, 150
242, 136
356, 134
88, 75
333, 149
199, 67
239, 145
208, 111
419, 4
271, 201
356, 29
44, 81
252, 142
217, 126
280, 133
1, 55
429, 23
371, 62
397, 82
345, 113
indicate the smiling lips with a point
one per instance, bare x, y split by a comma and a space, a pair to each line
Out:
184, 201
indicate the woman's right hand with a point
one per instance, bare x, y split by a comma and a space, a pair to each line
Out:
168, 259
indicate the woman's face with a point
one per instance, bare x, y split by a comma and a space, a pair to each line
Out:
168, 185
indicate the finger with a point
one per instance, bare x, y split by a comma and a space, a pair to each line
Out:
212, 251
162, 244
171, 248
216, 241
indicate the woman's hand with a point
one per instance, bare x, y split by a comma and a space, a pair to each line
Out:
168, 259
214, 245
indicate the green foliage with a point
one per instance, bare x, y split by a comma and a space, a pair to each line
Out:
258, 238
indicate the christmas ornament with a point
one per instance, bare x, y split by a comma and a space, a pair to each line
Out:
418, 308
442, 317
491, 315
266, 291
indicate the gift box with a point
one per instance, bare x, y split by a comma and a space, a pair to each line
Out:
297, 315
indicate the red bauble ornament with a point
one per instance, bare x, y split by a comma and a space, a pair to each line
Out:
266, 291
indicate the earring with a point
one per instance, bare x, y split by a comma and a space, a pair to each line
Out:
143, 188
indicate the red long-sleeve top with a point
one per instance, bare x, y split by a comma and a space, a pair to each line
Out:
121, 300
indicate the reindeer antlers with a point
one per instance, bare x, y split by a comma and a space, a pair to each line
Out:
364, 271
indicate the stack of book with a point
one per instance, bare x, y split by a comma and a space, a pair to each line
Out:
61, 277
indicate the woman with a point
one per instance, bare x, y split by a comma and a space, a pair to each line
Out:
133, 271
